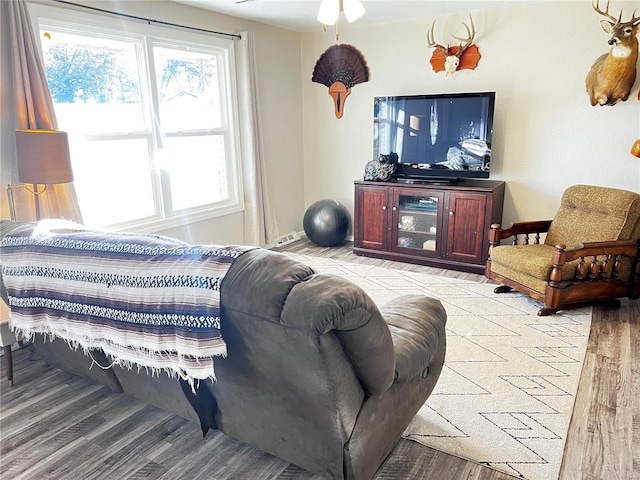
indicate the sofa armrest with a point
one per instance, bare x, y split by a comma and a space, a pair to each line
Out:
6, 227
326, 303
417, 325
279, 290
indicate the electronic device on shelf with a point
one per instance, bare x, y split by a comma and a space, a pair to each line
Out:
436, 138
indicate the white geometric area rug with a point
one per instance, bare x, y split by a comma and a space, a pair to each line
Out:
507, 390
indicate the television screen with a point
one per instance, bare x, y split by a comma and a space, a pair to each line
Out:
435, 136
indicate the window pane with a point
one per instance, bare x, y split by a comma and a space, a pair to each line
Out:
149, 120
188, 90
197, 170
94, 82
112, 180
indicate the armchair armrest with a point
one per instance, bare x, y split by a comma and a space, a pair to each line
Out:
597, 260
617, 247
417, 325
518, 228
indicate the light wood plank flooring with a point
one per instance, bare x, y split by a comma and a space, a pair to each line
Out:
55, 425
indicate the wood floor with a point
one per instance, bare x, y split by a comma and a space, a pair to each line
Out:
54, 425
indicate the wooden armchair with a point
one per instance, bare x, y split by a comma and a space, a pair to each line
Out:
590, 252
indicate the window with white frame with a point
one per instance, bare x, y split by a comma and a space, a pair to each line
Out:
151, 121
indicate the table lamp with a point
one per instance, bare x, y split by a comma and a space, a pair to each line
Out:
43, 159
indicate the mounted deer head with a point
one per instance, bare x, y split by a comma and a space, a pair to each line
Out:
450, 59
612, 75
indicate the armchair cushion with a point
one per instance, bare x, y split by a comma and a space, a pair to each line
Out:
595, 214
529, 265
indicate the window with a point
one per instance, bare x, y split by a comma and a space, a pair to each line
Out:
151, 121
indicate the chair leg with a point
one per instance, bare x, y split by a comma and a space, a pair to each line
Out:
612, 303
8, 363
502, 289
545, 312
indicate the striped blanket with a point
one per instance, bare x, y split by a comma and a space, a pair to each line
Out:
146, 301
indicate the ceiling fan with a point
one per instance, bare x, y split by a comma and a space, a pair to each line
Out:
330, 10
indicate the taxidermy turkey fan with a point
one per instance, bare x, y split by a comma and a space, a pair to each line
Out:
340, 67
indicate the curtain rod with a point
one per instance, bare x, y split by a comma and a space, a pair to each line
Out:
150, 20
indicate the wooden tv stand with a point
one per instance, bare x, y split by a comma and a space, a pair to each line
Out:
440, 225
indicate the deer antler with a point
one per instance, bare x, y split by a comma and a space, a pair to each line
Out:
596, 6
471, 33
449, 58
432, 43
616, 21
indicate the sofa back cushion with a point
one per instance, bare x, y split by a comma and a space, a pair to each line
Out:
595, 214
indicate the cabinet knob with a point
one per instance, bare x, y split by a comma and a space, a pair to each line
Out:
384, 207
395, 208
451, 214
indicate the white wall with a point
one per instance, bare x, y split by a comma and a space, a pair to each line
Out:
547, 136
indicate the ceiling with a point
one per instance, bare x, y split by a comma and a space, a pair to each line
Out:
300, 15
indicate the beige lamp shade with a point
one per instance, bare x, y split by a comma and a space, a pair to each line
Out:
43, 157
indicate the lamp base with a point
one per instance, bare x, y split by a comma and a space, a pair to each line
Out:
33, 190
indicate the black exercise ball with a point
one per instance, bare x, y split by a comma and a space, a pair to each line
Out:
326, 223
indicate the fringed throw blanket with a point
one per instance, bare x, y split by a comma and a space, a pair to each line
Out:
146, 301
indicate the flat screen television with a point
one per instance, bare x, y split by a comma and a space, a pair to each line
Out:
441, 137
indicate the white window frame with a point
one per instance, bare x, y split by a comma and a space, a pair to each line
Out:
43, 16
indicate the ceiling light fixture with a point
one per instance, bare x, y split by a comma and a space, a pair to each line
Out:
330, 11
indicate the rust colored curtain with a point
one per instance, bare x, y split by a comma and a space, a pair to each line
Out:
33, 108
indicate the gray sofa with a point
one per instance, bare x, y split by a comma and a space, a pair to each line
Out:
315, 373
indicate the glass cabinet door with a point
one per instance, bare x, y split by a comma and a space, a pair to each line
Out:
418, 221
